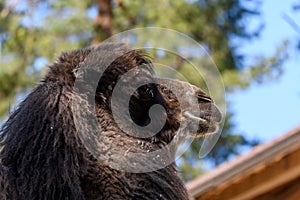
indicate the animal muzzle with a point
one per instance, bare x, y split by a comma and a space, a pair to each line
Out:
199, 114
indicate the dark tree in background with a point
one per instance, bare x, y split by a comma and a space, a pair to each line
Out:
294, 24
33, 32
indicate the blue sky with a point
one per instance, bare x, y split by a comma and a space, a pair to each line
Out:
269, 110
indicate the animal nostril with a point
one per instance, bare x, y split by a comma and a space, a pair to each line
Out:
202, 98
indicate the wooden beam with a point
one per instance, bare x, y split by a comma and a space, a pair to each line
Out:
257, 159
258, 180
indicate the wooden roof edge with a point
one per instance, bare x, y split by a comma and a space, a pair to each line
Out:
262, 153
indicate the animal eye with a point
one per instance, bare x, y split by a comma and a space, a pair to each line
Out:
163, 89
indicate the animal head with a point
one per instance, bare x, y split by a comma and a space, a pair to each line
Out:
179, 107
136, 111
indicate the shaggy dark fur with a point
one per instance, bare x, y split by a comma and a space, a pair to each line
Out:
43, 157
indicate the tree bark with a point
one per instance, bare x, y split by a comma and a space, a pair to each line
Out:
103, 21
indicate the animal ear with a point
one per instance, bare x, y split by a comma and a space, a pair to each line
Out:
147, 69
36, 146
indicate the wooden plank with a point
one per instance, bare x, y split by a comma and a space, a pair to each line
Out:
258, 180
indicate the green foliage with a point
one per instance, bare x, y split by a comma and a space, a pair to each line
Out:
32, 33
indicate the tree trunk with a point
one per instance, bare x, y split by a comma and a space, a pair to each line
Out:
103, 21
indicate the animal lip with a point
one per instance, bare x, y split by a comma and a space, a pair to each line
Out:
206, 126
193, 117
